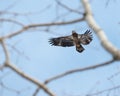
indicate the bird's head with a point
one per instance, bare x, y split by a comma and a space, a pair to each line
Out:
74, 33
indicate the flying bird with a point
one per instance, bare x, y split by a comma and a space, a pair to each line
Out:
75, 39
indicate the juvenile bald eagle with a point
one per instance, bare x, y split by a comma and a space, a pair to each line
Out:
73, 40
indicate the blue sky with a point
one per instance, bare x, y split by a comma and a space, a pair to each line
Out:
42, 61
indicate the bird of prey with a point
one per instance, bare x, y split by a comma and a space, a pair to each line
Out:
75, 39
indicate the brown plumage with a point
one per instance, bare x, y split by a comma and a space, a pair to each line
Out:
73, 40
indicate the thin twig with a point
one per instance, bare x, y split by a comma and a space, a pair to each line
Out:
11, 5
68, 8
2, 66
10, 20
19, 52
36, 91
79, 70
106, 90
8, 88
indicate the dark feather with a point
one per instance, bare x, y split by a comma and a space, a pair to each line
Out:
62, 41
85, 38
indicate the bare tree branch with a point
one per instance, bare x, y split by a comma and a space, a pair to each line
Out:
36, 91
79, 70
2, 66
106, 90
4, 12
113, 75
11, 5
10, 20
31, 79
42, 25
10, 89
18, 71
107, 2
100, 33
19, 52
7, 56
68, 8
74, 71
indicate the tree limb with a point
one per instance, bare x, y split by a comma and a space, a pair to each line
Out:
18, 71
42, 25
79, 70
31, 79
7, 56
100, 33
74, 71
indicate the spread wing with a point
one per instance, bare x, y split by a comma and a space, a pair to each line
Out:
85, 38
66, 41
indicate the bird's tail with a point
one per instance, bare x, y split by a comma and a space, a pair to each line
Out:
79, 48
